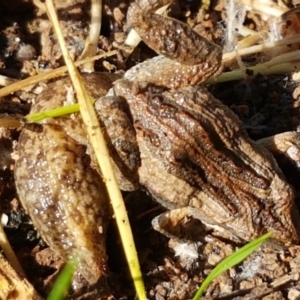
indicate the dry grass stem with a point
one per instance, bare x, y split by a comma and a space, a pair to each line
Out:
264, 69
5, 81
97, 140
9, 253
48, 75
251, 39
261, 48
245, 31
91, 44
14, 286
266, 8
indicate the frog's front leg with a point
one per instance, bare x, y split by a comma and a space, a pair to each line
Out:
189, 58
115, 120
181, 224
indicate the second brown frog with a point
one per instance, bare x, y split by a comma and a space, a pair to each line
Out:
175, 140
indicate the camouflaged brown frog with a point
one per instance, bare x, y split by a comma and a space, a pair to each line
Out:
167, 135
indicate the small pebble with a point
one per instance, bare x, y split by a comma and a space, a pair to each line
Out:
25, 52
4, 219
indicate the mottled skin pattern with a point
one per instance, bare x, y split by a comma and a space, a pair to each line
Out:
57, 180
196, 154
186, 148
64, 196
188, 58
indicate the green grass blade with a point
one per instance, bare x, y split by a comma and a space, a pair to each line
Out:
57, 112
231, 261
63, 281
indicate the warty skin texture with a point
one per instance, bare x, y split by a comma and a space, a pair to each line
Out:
58, 182
198, 146
182, 145
64, 196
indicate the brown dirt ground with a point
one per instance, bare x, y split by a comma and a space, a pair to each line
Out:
267, 105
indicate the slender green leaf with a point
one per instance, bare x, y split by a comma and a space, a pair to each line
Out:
57, 112
63, 281
231, 261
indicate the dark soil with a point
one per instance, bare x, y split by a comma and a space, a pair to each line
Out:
267, 105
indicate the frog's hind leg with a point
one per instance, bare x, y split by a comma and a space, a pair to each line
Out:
179, 224
287, 144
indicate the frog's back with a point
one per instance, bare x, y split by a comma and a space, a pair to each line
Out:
195, 152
